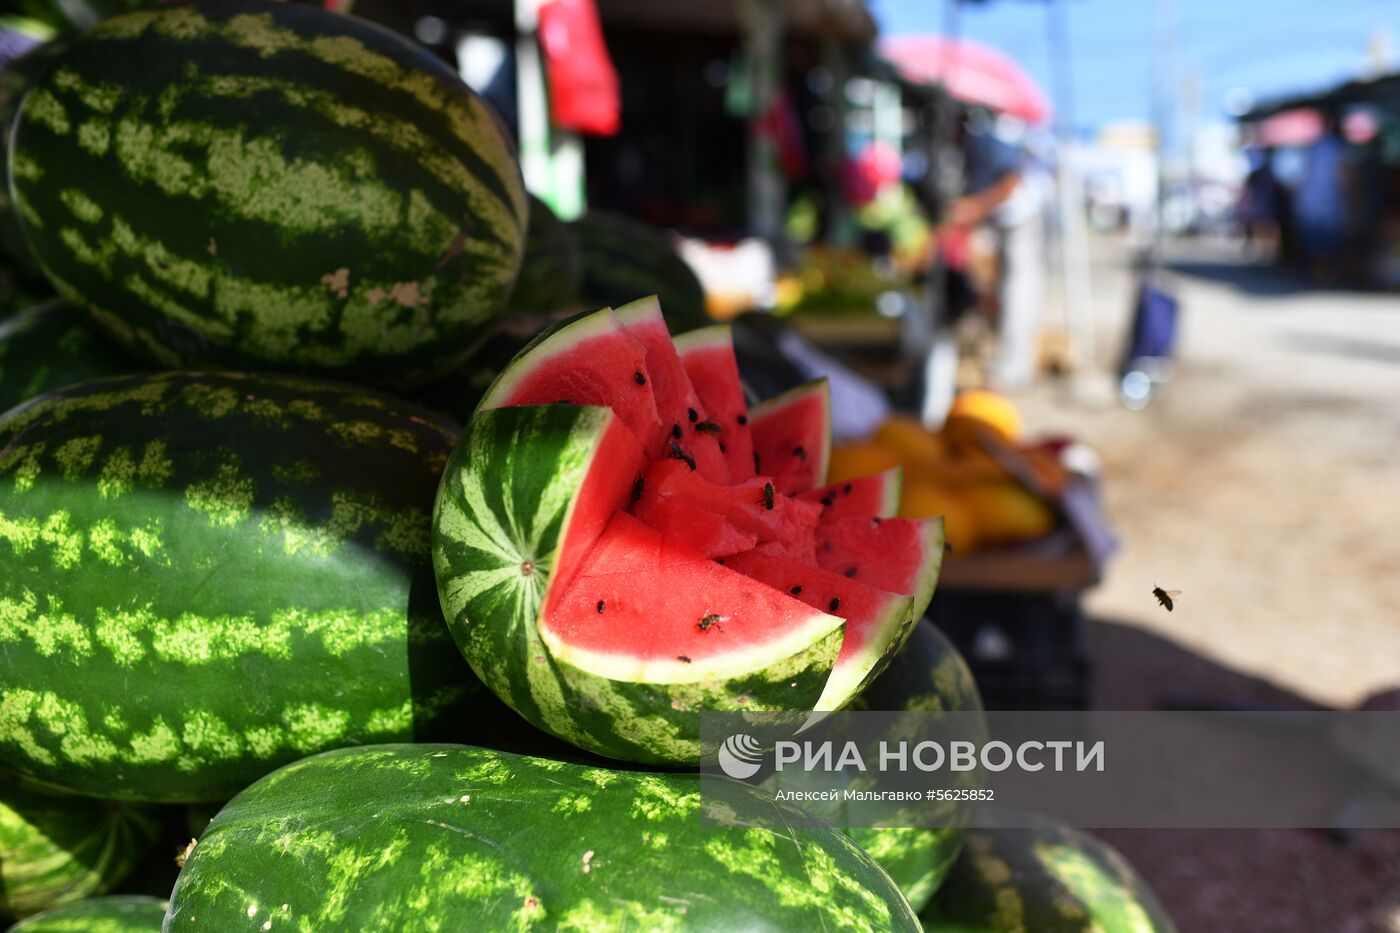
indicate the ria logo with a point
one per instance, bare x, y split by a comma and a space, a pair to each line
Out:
740, 756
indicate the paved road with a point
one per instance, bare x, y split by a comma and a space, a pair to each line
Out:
1264, 483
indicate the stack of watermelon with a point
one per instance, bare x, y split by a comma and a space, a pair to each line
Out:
351, 665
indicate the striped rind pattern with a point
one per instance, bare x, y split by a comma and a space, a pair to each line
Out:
210, 575
502, 508
117, 913
55, 850
266, 185
434, 837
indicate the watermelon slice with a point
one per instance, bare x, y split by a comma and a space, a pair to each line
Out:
875, 619
902, 555
640, 611
692, 437
708, 357
609, 590
684, 525
792, 437
589, 361
876, 495
744, 505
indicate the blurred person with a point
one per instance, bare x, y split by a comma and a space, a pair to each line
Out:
991, 171
1261, 204
1320, 202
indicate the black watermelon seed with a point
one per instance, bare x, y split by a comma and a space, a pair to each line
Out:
563, 401
828, 499
755, 461
601, 607
676, 431
681, 657
796, 591
721, 448
692, 414
846, 488
639, 379
743, 419
637, 489
851, 571
876, 521
719, 560
833, 605
799, 453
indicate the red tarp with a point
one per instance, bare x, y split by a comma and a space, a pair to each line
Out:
583, 86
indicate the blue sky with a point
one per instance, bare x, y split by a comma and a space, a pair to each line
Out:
1270, 47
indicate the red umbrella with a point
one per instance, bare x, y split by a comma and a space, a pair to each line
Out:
971, 72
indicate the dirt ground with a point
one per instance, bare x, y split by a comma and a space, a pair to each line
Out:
1264, 483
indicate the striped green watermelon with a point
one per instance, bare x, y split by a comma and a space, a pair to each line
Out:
1046, 879
928, 675
123, 913
54, 849
552, 266
15, 78
442, 837
573, 557
53, 345
624, 257
210, 575
268, 185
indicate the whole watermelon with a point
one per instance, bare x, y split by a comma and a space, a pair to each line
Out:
50, 346
1046, 879
445, 837
54, 849
553, 266
16, 76
267, 185
210, 575
624, 258
116, 914
927, 676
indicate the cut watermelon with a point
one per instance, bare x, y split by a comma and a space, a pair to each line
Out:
792, 437
585, 571
873, 496
708, 357
683, 525
744, 505
639, 611
588, 361
902, 555
692, 435
877, 621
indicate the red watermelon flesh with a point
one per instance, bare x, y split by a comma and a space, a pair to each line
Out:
876, 495
792, 437
744, 505
708, 357
877, 621
799, 545
901, 555
689, 430
641, 610
684, 525
591, 361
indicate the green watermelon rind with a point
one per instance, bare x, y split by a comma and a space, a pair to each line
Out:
264, 185
228, 542
506, 501
117, 913
55, 850
1046, 877
431, 837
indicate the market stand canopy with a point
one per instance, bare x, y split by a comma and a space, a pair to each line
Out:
969, 71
